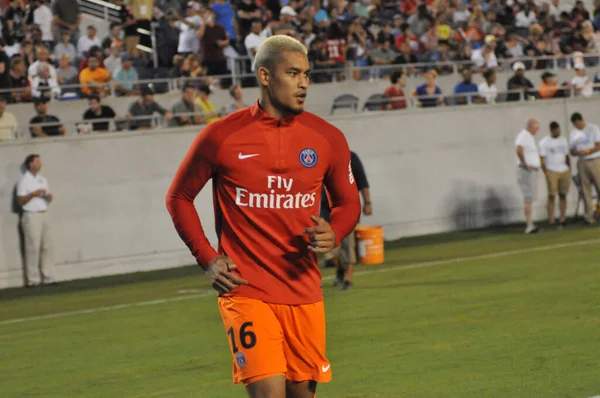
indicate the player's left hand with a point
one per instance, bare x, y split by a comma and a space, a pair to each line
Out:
322, 237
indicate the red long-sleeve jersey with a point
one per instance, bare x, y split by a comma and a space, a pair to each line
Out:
267, 177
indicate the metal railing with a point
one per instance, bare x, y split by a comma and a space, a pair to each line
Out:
374, 72
111, 13
101, 9
124, 123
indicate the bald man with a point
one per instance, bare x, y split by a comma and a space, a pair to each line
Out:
528, 164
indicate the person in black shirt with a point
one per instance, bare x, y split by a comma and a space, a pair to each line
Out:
347, 249
4, 67
14, 17
247, 11
129, 26
46, 130
519, 82
19, 82
98, 111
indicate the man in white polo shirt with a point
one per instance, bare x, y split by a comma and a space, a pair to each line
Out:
585, 143
556, 164
528, 164
33, 195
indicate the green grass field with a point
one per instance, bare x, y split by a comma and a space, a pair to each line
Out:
474, 314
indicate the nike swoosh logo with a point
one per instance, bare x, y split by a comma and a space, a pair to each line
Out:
325, 368
242, 156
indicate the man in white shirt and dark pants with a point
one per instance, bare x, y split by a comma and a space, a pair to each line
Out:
584, 141
33, 195
556, 164
528, 164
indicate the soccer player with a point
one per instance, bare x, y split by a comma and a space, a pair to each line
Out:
268, 163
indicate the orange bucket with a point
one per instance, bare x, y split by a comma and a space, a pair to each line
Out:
370, 244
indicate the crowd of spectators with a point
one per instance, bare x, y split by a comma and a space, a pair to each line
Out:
43, 49
46, 55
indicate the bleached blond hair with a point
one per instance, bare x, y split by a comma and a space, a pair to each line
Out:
270, 50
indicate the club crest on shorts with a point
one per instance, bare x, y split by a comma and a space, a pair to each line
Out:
308, 157
240, 359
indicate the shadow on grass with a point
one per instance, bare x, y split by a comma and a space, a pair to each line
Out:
101, 282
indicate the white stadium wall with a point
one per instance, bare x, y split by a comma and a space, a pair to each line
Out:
430, 171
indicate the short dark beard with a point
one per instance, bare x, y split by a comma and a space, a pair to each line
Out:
284, 109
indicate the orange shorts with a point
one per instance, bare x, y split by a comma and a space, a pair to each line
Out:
273, 339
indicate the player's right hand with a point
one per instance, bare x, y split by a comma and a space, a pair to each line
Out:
221, 278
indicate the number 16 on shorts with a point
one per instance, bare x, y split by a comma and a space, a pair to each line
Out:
245, 337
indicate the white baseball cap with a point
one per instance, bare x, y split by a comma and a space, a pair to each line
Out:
287, 10
518, 65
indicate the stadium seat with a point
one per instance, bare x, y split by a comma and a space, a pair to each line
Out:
375, 102
345, 101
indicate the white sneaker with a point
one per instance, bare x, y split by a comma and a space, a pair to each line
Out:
531, 229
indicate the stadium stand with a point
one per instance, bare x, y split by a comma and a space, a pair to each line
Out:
353, 49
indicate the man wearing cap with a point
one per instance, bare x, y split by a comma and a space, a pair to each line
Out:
286, 25
485, 57
581, 83
528, 164
584, 141
556, 165
519, 83
144, 108
125, 76
190, 29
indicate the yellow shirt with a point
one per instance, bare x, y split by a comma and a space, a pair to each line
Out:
208, 108
100, 75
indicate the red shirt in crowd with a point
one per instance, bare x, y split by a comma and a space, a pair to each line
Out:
267, 176
336, 49
400, 102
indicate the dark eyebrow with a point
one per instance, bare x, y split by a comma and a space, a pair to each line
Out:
298, 70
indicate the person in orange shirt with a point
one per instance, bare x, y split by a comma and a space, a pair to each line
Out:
268, 164
550, 87
93, 79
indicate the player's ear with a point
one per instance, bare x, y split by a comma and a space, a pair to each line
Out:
264, 76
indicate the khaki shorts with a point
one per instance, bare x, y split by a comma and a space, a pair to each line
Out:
526, 179
558, 183
348, 250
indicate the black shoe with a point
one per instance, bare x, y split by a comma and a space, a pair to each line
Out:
347, 285
339, 276
562, 224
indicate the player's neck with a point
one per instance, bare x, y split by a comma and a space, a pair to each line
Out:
264, 102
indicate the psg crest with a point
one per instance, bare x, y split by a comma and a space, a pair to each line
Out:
308, 157
240, 359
